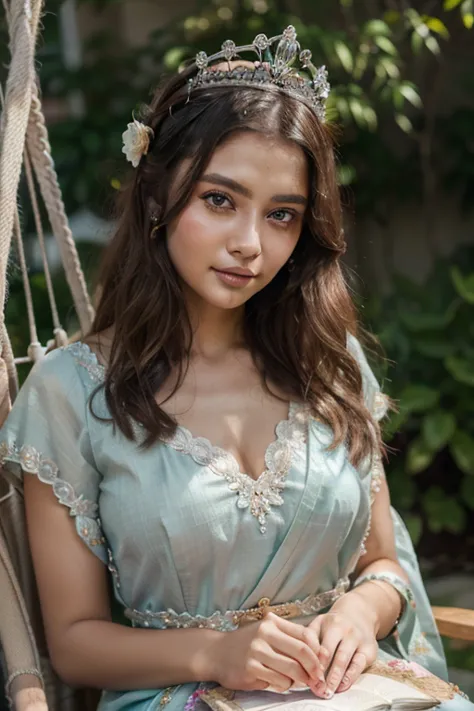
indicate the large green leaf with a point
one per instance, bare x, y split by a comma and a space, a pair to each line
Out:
438, 427
467, 12
434, 346
443, 512
419, 456
376, 28
425, 321
437, 25
462, 448
344, 55
451, 4
408, 91
386, 45
461, 369
418, 398
464, 284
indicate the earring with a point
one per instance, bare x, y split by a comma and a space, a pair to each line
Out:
155, 231
291, 264
155, 221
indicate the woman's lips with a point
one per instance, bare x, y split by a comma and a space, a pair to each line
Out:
232, 279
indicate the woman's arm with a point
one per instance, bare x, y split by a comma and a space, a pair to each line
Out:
348, 633
381, 557
86, 647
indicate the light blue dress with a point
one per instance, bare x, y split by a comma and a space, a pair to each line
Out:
190, 540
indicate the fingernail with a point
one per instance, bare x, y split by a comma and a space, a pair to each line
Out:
322, 690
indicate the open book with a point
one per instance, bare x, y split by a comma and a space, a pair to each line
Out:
381, 688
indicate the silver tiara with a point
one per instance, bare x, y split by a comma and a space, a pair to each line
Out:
275, 68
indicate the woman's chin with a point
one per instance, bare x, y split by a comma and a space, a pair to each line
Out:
225, 300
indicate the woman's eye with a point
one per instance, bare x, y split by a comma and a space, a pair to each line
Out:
284, 216
217, 200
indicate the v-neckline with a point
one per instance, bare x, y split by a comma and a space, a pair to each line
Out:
196, 442
258, 494
202, 447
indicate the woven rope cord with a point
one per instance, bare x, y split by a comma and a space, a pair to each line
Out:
39, 231
40, 152
14, 125
26, 282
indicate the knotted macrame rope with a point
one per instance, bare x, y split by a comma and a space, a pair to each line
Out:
40, 152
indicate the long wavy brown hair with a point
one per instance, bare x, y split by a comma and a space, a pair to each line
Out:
295, 328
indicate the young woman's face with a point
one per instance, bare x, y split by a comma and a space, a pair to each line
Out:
246, 214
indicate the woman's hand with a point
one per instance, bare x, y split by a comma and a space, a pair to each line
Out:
347, 635
271, 653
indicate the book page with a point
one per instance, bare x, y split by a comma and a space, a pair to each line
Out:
351, 700
371, 692
390, 689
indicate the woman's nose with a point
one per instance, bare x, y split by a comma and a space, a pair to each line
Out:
246, 240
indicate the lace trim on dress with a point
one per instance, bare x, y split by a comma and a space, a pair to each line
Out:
83, 510
377, 476
259, 495
232, 619
86, 357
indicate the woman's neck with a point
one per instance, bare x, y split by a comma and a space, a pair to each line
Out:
216, 331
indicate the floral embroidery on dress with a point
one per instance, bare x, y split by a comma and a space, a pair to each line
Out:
259, 495
419, 647
86, 357
83, 510
33, 462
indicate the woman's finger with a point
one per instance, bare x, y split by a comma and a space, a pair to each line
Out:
300, 651
306, 634
340, 663
330, 635
271, 680
353, 672
281, 663
300, 643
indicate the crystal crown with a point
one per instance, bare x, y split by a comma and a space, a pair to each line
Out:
277, 56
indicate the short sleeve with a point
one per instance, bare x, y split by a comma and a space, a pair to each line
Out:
376, 401
46, 435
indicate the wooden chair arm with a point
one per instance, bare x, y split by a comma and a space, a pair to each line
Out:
455, 622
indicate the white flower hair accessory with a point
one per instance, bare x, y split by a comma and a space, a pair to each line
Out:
136, 141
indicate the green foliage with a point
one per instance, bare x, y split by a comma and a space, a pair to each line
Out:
428, 331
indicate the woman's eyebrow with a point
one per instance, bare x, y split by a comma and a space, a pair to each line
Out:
217, 179
224, 182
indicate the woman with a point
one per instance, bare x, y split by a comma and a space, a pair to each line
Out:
214, 441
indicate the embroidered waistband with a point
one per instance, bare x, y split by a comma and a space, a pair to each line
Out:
232, 619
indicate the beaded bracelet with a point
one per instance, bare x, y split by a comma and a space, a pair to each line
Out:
397, 583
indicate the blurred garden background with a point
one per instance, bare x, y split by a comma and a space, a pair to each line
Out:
402, 76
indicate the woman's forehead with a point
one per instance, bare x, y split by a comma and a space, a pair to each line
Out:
255, 156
